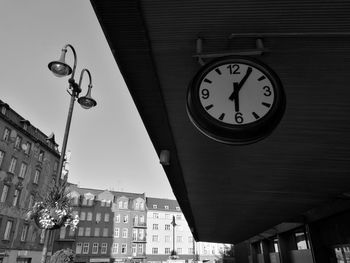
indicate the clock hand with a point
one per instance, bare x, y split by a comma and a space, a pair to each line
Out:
243, 80
236, 97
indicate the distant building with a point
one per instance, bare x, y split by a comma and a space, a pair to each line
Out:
28, 165
160, 235
112, 226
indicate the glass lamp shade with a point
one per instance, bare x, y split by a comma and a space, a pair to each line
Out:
87, 102
59, 68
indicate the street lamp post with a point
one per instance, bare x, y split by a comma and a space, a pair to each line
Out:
61, 69
173, 254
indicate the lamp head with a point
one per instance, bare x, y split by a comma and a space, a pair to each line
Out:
87, 101
59, 67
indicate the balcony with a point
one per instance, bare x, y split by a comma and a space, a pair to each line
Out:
139, 240
139, 224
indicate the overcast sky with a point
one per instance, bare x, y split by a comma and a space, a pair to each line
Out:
110, 148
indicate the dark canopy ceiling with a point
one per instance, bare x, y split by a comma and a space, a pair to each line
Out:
232, 193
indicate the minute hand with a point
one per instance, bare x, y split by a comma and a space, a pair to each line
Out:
240, 84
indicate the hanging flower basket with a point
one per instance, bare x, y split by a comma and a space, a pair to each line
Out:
54, 211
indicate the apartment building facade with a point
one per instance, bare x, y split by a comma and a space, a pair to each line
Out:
112, 226
28, 166
162, 238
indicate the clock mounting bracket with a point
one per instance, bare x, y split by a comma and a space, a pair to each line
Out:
200, 56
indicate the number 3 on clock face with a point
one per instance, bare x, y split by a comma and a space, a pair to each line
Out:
236, 93
235, 100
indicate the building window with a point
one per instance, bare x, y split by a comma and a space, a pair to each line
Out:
133, 249
62, 232
154, 206
190, 250
90, 202
41, 158
23, 170
2, 154
98, 217
179, 239
125, 233
80, 231
167, 239
27, 148
166, 207
155, 215
31, 201
4, 193
97, 231
167, 227
134, 234
24, 233
8, 229
3, 110
55, 166
140, 249
125, 206
13, 165
120, 204
105, 232
86, 248
137, 206
6, 134
94, 248
155, 238
89, 216
116, 232
167, 251
25, 126
36, 177
177, 208
87, 231
103, 203
142, 219
117, 219
179, 250
142, 206
125, 218
104, 248
42, 236
301, 240
18, 142
71, 232
154, 250
106, 217
124, 249
155, 227
15, 197
78, 248
178, 217
141, 234
82, 216
190, 239
115, 248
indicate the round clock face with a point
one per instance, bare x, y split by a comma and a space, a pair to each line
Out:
236, 93
235, 100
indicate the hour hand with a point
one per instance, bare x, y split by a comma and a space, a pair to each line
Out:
235, 91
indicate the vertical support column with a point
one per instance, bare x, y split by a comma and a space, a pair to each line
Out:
254, 252
242, 252
319, 250
265, 250
283, 243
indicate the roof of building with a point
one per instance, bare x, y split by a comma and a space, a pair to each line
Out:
117, 194
16, 120
161, 204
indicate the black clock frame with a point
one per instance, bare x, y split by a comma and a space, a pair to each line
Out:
232, 133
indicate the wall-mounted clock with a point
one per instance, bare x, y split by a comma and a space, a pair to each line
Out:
236, 100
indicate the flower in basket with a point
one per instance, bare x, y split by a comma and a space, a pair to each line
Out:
64, 255
54, 210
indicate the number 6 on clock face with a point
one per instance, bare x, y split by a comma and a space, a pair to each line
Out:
234, 96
